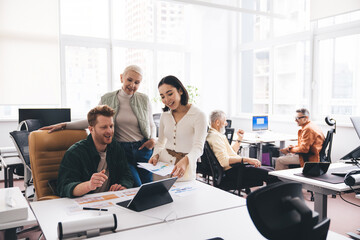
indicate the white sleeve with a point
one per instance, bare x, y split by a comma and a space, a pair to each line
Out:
200, 128
75, 125
161, 141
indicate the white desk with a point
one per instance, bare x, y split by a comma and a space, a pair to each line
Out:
204, 199
260, 139
228, 224
10, 227
320, 189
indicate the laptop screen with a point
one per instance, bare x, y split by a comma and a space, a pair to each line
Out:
356, 122
260, 123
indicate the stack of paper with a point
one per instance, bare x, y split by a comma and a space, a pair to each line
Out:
13, 205
160, 168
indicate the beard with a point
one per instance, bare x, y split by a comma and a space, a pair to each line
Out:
222, 130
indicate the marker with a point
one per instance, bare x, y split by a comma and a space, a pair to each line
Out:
95, 209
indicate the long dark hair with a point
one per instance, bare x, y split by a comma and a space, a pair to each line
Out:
175, 82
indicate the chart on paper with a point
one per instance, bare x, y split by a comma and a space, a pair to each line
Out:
160, 168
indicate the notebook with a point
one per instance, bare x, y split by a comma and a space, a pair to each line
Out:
150, 195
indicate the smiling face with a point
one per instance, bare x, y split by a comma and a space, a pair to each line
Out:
102, 132
130, 81
170, 96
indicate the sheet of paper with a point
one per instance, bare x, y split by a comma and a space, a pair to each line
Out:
160, 168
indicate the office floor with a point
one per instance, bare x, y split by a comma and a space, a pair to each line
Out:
344, 216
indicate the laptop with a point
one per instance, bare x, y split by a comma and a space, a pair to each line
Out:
315, 169
354, 154
150, 195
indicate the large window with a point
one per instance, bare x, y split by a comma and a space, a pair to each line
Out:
100, 38
287, 66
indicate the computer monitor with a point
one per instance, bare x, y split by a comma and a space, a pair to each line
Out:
260, 123
354, 154
47, 116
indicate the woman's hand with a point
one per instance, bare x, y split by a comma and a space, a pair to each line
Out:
180, 167
149, 144
154, 159
254, 162
56, 127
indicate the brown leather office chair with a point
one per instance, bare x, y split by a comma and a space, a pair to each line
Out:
46, 152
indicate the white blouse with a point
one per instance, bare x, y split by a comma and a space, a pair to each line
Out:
187, 136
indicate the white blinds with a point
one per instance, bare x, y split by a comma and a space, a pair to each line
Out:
328, 8
29, 52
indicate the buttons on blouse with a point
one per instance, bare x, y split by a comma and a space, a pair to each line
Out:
175, 135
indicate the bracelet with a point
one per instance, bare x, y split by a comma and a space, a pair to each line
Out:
239, 141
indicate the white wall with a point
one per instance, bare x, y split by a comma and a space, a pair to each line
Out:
5, 128
344, 141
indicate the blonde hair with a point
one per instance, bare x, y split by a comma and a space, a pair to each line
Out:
134, 68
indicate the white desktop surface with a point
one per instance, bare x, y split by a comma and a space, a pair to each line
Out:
321, 189
228, 224
204, 199
232, 223
288, 174
30, 220
253, 137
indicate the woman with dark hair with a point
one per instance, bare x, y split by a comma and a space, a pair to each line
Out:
182, 130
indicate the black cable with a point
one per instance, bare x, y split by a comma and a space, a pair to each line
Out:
349, 201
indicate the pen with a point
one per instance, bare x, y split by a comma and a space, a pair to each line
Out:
95, 209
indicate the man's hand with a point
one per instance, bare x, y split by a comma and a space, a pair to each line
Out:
54, 128
284, 150
180, 167
240, 134
116, 187
254, 162
149, 144
97, 180
154, 159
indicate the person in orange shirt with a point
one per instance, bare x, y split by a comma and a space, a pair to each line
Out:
310, 141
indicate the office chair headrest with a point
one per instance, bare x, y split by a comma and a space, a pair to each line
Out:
279, 212
330, 121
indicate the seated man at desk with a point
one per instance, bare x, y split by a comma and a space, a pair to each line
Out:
95, 164
310, 141
226, 154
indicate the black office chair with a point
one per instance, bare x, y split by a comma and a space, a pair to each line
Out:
156, 117
325, 152
279, 212
219, 177
21, 142
229, 121
229, 133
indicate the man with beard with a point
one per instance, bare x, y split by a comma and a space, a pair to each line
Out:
226, 154
310, 141
95, 164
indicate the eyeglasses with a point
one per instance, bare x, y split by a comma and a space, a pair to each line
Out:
298, 118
